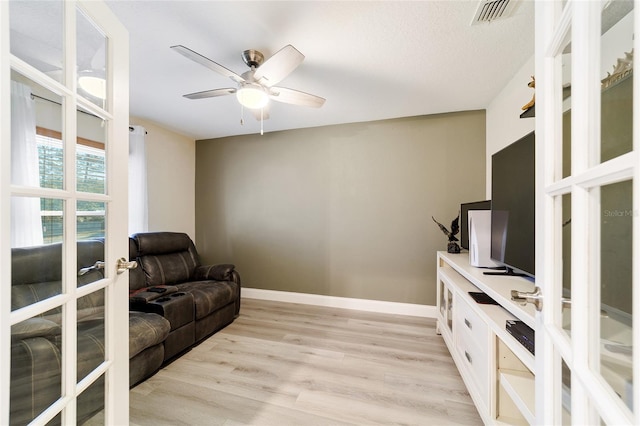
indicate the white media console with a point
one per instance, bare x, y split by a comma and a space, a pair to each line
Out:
497, 369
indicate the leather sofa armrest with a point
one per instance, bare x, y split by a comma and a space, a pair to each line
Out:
222, 272
149, 294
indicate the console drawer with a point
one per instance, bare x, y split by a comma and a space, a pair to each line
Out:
467, 321
476, 364
471, 336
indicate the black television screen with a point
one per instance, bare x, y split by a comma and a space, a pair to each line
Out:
464, 219
513, 205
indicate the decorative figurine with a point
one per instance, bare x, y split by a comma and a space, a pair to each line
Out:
622, 70
452, 247
532, 102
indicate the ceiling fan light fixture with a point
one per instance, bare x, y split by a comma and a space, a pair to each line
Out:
93, 85
252, 96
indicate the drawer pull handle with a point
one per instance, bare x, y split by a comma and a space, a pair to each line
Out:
466, 354
468, 324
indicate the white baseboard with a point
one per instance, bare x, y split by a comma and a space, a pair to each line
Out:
379, 306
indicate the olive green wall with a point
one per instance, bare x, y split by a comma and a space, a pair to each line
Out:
340, 210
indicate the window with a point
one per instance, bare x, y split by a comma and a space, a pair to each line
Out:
90, 171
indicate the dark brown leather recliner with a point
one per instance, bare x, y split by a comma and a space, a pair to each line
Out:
170, 280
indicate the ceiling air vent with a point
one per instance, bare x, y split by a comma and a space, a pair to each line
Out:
490, 10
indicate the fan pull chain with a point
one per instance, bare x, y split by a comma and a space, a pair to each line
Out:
261, 121
241, 115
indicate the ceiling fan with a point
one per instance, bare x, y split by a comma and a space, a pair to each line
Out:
257, 85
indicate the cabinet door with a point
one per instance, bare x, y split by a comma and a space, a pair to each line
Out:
445, 308
449, 316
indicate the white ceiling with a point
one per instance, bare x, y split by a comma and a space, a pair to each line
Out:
370, 60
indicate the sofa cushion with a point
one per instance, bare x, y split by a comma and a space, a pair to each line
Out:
209, 296
167, 269
146, 330
36, 264
145, 364
161, 242
221, 272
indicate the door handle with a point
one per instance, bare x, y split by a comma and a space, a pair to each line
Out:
524, 297
123, 266
98, 265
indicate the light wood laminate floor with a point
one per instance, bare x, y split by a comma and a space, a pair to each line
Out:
290, 364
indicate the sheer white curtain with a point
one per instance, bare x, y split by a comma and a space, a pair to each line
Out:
26, 222
138, 207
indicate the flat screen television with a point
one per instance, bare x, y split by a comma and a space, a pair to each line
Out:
513, 206
464, 219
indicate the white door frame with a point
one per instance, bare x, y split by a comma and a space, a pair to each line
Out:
5, 220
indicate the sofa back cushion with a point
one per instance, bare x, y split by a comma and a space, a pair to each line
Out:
36, 264
161, 242
167, 269
165, 257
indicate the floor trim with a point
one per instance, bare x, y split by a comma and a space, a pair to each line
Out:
378, 306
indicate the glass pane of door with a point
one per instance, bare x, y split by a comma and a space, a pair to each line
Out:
91, 220
91, 167
92, 61
36, 265
616, 64
36, 374
616, 317
36, 133
36, 34
91, 404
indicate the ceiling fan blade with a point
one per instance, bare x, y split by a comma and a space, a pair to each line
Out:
211, 93
202, 60
295, 97
260, 114
278, 66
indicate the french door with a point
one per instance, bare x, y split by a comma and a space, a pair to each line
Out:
587, 207
63, 217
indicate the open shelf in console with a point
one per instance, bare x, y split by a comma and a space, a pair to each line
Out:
519, 385
516, 396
